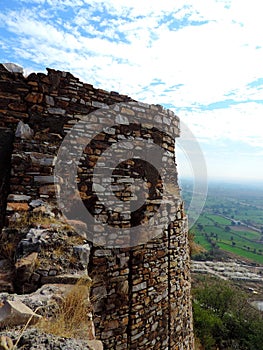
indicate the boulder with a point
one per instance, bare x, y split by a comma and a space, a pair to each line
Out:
14, 313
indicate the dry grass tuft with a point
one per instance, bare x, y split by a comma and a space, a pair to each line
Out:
72, 316
38, 219
21, 225
194, 247
7, 250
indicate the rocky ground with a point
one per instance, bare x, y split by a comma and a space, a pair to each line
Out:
34, 339
41, 261
244, 275
231, 270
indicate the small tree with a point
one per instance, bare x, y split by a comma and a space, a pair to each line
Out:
223, 318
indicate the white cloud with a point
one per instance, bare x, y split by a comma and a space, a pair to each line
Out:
241, 122
210, 60
130, 46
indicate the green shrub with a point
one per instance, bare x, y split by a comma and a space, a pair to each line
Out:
223, 318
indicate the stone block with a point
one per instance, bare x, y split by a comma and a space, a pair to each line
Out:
18, 198
25, 267
62, 279
83, 253
49, 190
58, 111
14, 68
46, 179
14, 313
42, 159
24, 131
34, 97
12, 206
95, 344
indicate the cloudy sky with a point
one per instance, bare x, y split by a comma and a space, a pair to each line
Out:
202, 59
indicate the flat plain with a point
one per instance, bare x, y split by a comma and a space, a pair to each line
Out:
231, 221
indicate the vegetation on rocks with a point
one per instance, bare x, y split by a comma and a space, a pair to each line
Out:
71, 318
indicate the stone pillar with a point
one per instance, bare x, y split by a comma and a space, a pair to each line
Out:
141, 274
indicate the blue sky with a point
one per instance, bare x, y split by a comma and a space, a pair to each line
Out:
202, 59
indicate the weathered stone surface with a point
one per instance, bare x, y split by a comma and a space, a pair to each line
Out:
12, 206
25, 267
23, 131
95, 344
83, 253
47, 179
49, 190
33, 338
37, 203
31, 243
18, 198
59, 111
42, 159
14, 313
17, 106
34, 97
43, 297
14, 68
62, 279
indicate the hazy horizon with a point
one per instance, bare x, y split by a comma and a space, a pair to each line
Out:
225, 181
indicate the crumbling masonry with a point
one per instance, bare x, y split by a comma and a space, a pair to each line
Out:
141, 293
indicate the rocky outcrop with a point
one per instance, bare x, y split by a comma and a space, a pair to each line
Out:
34, 339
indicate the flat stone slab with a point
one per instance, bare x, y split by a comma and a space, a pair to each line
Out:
14, 313
18, 198
17, 206
61, 279
14, 68
48, 179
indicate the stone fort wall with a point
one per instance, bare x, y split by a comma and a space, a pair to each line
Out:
141, 289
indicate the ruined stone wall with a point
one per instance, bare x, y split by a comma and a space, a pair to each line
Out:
141, 284
6, 147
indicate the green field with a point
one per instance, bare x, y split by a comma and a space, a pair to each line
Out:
222, 226
212, 231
